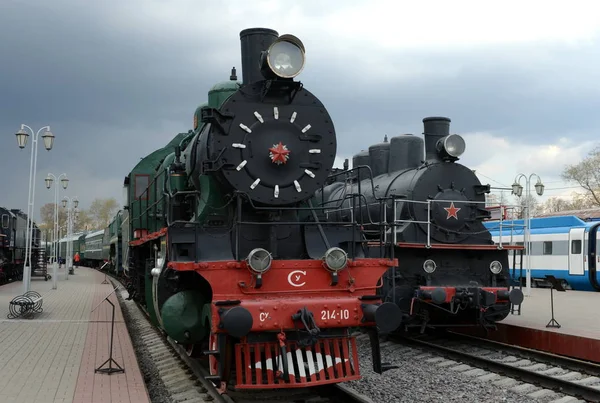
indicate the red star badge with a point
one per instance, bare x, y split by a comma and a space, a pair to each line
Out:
279, 154
452, 211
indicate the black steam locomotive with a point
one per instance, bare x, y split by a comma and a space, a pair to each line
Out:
13, 230
450, 270
226, 252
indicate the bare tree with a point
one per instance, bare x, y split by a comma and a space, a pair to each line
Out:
83, 222
522, 203
98, 216
102, 211
47, 214
587, 174
578, 202
556, 204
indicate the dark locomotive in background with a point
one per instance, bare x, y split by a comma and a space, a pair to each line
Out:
450, 271
13, 230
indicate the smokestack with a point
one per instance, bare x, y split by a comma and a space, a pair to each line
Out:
435, 128
254, 41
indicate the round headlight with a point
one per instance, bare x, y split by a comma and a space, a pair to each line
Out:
259, 260
429, 266
336, 259
454, 145
286, 56
496, 267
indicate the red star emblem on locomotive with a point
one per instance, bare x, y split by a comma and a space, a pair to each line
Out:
279, 154
452, 211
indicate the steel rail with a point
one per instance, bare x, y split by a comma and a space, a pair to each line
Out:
556, 384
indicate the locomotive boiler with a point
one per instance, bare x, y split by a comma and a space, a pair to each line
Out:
451, 271
225, 249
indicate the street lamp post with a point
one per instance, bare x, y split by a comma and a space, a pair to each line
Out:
517, 190
71, 205
64, 182
22, 136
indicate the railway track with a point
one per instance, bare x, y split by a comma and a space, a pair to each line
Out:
175, 377
537, 369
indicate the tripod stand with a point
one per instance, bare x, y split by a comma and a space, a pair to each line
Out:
110, 370
556, 285
105, 280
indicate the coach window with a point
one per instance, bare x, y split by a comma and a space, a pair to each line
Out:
5, 220
547, 248
576, 246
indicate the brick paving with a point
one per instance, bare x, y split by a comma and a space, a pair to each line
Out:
52, 357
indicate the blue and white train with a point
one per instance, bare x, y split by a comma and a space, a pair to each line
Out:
563, 246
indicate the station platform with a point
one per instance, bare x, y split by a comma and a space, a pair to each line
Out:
577, 312
52, 357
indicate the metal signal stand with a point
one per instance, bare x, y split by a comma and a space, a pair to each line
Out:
110, 370
105, 280
555, 284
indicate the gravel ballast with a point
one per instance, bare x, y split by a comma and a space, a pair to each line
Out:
426, 377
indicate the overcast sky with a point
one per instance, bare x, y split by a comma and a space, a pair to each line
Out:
116, 79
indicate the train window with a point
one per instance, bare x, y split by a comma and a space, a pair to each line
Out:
576, 246
5, 220
547, 248
141, 184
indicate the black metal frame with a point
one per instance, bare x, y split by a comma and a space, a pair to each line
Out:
110, 361
25, 305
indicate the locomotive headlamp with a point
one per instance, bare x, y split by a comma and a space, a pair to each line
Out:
286, 57
259, 260
335, 259
496, 267
429, 266
452, 145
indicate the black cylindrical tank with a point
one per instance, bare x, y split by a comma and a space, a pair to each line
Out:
435, 128
379, 154
361, 158
406, 151
254, 41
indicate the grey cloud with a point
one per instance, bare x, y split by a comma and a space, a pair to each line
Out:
114, 87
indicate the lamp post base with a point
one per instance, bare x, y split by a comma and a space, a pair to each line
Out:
54, 275
26, 278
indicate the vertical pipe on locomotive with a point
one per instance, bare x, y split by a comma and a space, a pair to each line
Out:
435, 128
254, 41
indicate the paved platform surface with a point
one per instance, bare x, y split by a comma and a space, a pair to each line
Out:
52, 357
577, 312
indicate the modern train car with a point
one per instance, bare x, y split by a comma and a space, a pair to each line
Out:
564, 247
